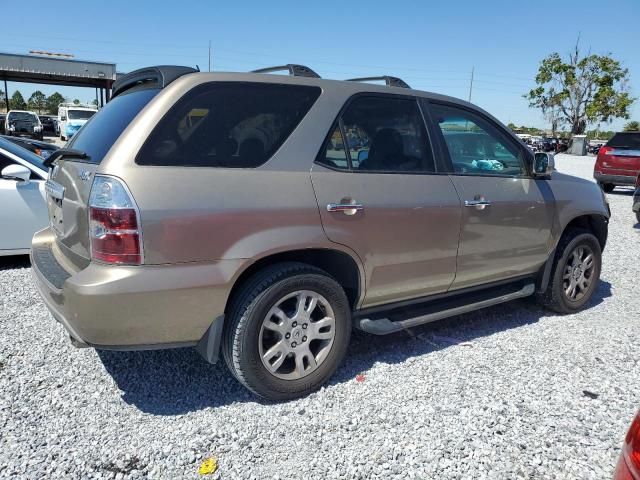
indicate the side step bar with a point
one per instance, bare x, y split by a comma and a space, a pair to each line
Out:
383, 326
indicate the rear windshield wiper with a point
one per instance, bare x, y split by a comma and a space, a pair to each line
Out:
65, 152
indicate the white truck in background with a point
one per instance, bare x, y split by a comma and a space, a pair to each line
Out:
71, 117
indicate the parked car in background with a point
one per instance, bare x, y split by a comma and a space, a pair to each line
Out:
618, 162
49, 123
636, 199
38, 147
229, 212
628, 467
23, 209
71, 117
23, 123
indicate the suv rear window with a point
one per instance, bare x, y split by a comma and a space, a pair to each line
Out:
227, 124
97, 136
630, 140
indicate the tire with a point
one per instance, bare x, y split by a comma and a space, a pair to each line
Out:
638, 216
607, 187
555, 296
246, 336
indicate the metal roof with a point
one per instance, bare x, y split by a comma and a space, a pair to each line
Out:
59, 71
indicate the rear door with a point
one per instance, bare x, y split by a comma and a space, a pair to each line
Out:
379, 194
507, 215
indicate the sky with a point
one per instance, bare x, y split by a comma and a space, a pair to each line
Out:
431, 45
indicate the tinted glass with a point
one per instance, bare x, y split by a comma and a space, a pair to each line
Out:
22, 116
97, 136
80, 114
231, 125
386, 134
335, 154
629, 140
475, 145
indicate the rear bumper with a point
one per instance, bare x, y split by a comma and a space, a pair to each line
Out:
128, 307
615, 179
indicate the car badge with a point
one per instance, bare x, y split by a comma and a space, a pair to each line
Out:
85, 175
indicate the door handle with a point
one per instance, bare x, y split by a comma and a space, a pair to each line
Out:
346, 208
480, 203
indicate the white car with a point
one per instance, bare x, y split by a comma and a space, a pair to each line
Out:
23, 207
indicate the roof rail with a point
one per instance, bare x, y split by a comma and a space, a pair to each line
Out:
294, 70
388, 80
159, 76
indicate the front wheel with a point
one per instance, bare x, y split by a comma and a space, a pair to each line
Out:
576, 272
287, 331
608, 187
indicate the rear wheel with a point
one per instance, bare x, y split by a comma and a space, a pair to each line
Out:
576, 272
607, 187
638, 216
288, 331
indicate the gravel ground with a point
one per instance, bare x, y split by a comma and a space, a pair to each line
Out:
507, 392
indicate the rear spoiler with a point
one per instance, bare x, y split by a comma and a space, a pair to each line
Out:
159, 77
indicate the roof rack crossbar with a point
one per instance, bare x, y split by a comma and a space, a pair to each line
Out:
293, 69
388, 80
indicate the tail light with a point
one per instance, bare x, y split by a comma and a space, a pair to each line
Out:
629, 465
114, 223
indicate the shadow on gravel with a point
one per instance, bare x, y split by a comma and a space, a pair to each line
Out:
174, 382
14, 261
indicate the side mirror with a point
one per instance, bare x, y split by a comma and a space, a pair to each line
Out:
16, 172
543, 164
63, 118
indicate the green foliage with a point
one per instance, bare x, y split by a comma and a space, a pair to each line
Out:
600, 134
632, 126
76, 102
53, 101
582, 89
37, 101
17, 101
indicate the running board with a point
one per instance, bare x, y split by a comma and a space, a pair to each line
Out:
383, 326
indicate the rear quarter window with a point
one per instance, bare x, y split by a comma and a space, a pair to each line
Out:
228, 125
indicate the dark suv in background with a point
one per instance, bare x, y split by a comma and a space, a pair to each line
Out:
264, 216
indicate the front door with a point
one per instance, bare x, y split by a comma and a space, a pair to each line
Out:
379, 194
506, 215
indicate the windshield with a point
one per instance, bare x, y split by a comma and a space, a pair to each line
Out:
80, 114
22, 116
23, 153
97, 136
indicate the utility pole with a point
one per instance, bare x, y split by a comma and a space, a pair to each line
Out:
209, 55
471, 84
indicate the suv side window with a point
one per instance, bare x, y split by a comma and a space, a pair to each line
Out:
476, 146
227, 124
381, 134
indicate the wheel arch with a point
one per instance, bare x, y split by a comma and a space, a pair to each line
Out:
340, 265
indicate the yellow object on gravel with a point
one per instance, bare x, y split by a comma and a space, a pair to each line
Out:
208, 466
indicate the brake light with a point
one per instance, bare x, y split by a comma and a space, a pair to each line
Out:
114, 223
605, 151
629, 465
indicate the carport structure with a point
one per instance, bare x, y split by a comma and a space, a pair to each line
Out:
57, 71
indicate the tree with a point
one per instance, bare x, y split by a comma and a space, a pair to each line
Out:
37, 101
94, 102
583, 89
76, 102
17, 101
632, 126
53, 101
